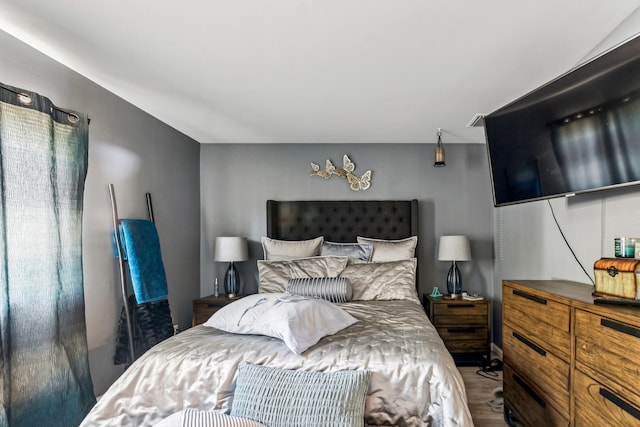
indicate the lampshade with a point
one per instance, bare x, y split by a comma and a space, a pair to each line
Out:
454, 248
231, 249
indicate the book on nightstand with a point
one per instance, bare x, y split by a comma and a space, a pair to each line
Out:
472, 297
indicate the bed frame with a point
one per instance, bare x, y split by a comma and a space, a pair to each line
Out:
342, 220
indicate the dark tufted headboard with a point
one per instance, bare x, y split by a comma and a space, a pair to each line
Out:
342, 220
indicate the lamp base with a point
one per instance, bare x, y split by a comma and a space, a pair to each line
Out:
232, 281
454, 280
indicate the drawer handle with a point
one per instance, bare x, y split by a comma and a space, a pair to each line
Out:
620, 403
529, 391
620, 327
461, 330
529, 344
460, 305
530, 297
213, 305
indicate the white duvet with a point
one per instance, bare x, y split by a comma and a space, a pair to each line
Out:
414, 380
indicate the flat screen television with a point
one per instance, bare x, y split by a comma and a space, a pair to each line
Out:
577, 133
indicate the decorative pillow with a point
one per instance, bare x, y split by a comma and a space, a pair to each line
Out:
197, 418
298, 321
283, 398
395, 280
357, 252
391, 250
334, 289
282, 250
273, 275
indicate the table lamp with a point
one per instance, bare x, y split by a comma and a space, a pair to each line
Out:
231, 249
454, 248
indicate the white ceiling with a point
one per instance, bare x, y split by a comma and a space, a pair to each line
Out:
297, 71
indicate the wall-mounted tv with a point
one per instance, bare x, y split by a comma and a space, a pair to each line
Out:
578, 133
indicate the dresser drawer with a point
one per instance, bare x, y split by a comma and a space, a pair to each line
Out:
461, 313
596, 405
599, 349
455, 333
545, 372
547, 320
531, 408
465, 339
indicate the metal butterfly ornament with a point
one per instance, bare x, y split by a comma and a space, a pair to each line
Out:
356, 183
362, 183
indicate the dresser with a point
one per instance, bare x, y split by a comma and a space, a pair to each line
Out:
568, 361
463, 325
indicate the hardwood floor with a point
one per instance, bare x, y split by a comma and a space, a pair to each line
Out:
479, 391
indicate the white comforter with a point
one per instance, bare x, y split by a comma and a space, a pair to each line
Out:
414, 381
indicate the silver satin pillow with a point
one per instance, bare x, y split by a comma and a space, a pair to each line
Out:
284, 250
394, 280
273, 275
355, 251
391, 250
334, 289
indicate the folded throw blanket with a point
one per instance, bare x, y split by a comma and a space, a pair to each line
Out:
142, 247
151, 324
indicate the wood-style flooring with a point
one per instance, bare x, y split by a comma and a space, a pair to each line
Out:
478, 393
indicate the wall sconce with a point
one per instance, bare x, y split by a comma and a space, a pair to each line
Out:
438, 152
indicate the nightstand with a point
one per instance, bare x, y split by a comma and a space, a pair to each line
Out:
464, 326
203, 308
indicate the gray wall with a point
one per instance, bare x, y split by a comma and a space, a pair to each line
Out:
236, 181
138, 154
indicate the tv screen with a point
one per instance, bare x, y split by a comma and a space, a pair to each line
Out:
578, 133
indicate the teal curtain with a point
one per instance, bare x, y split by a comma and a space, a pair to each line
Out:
44, 368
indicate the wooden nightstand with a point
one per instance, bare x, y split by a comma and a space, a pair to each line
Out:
203, 308
464, 326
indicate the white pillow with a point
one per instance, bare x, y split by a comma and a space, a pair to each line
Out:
282, 250
298, 321
391, 250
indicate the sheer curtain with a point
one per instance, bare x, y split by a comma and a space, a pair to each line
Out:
44, 368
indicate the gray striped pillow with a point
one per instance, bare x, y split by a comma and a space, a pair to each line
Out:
334, 289
287, 398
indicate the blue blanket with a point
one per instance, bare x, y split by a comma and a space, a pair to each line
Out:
142, 248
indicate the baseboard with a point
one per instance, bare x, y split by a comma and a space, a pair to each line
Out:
496, 352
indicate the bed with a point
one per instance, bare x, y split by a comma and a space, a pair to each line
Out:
389, 361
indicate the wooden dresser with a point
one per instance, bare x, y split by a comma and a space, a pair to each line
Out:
568, 361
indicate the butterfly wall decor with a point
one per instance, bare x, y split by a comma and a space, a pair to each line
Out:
356, 183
